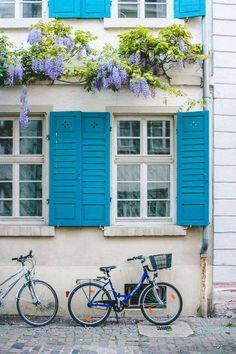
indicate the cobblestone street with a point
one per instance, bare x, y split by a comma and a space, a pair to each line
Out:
212, 335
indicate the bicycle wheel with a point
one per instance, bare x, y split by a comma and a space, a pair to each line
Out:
82, 304
161, 304
37, 303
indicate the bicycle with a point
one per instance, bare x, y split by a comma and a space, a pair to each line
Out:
90, 302
36, 300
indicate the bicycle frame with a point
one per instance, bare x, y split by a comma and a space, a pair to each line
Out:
23, 272
117, 296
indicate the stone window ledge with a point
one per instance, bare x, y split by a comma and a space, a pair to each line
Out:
155, 231
27, 230
111, 23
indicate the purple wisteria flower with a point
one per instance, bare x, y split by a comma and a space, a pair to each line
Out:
139, 87
182, 46
88, 50
53, 68
145, 88
135, 58
65, 41
151, 57
15, 74
24, 115
35, 36
110, 75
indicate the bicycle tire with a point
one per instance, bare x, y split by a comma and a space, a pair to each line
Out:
42, 313
157, 313
83, 296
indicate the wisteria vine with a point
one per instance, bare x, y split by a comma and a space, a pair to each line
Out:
56, 52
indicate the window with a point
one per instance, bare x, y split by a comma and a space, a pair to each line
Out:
21, 169
144, 168
22, 8
142, 8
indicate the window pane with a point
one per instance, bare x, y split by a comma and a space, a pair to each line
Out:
128, 128
158, 128
5, 190
5, 172
158, 208
30, 208
30, 190
30, 172
158, 190
128, 209
5, 208
6, 128
155, 10
128, 146
7, 10
127, 10
128, 173
31, 146
128, 191
159, 146
34, 129
158, 173
6, 146
32, 10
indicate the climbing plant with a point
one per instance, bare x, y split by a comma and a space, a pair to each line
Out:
141, 61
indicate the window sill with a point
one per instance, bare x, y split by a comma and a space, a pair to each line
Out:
157, 231
17, 23
110, 23
29, 230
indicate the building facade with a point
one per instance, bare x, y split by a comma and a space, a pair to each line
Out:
99, 178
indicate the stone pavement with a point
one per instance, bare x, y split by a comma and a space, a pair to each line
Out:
210, 336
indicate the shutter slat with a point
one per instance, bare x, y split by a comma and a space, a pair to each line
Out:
189, 8
193, 170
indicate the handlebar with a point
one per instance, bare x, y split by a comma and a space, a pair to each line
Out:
140, 258
22, 259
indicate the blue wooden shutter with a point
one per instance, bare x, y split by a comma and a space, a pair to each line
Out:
65, 8
189, 8
193, 168
79, 169
95, 176
65, 161
95, 8
79, 8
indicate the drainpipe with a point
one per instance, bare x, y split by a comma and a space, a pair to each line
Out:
206, 99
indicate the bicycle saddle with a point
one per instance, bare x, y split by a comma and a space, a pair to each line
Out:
107, 269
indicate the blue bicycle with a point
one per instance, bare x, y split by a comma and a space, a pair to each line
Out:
90, 302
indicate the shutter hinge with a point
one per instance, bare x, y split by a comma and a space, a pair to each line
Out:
48, 201
110, 129
110, 199
48, 137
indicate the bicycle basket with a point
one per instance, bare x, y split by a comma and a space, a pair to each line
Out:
161, 261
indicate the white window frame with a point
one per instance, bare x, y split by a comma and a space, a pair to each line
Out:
143, 160
169, 11
19, 10
15, 159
